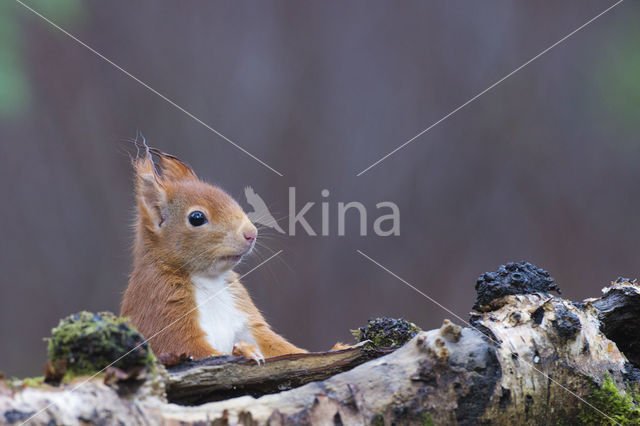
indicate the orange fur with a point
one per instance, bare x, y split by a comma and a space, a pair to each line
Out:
340, 346
160, 298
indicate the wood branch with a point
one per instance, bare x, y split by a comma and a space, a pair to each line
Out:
542, 355
218, 378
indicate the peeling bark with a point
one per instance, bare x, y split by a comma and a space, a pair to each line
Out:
526, 360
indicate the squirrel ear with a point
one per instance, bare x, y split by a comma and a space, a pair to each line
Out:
172, 168
151, 194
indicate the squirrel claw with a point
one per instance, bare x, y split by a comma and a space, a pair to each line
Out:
248, 351
259, 359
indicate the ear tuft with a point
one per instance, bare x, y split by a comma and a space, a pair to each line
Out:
150, 193
173, 168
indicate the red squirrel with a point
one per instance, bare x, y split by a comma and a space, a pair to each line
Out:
188, 237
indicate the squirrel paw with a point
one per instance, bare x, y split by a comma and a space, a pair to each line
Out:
248, 351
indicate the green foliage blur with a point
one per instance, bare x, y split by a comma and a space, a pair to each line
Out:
619, 81
14, 82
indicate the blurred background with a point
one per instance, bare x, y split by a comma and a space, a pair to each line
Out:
544, 167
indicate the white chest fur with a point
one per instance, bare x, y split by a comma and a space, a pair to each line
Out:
219, 318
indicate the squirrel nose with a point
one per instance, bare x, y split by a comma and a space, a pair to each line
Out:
250, 236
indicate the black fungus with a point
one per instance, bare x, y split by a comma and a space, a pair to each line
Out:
566, 323
538, 315
509, 279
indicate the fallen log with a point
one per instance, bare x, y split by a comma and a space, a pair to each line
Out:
525, 357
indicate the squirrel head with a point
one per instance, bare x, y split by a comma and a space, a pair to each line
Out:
184, 223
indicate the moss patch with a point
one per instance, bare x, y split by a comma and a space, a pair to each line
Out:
425, 420
622, 408
386, 332
33, 381
27, 382
90, 342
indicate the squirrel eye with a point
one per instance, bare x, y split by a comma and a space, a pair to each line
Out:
197, 218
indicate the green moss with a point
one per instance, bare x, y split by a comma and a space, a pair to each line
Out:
90, 342
622, 408
425, 420
27, 382
386, 332
377, 420
33, 381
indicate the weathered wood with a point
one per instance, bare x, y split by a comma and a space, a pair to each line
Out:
619, 314
529, 359
218, 378
550, 351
